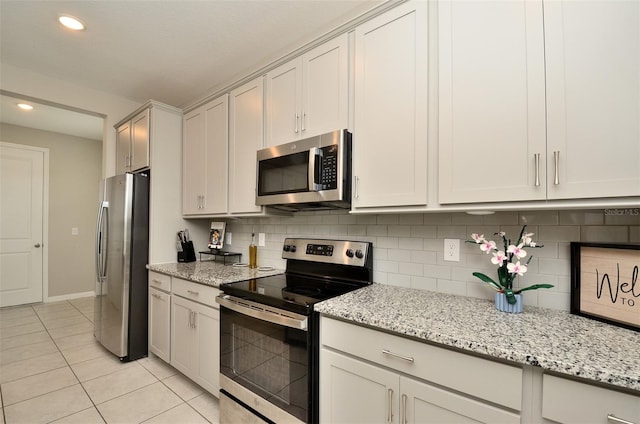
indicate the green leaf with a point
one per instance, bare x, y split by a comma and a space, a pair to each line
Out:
487, 280
534, 287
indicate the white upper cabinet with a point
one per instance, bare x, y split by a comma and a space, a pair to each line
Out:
496, 64
390, 128
491, 139
205, 158
308, 95
246, 135
132, 144
593, 98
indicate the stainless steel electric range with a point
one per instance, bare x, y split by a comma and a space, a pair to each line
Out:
269, 332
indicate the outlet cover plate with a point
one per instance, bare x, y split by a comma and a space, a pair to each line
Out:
452, 250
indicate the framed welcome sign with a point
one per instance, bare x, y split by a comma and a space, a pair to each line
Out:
604, 283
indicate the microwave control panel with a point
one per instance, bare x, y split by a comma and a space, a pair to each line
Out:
329, 173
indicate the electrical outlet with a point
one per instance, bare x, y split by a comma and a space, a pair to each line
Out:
228, 238
74, 231
261, 239
452, 250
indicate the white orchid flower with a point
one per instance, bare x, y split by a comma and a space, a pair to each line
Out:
488, 246
498, 258
517, 268
517, 251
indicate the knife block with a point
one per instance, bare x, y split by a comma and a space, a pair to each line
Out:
188, 254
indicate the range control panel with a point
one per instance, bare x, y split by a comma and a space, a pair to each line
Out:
327, 251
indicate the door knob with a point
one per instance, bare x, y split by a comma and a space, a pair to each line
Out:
36, 245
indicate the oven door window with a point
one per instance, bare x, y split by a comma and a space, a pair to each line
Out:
284, 174
268, 359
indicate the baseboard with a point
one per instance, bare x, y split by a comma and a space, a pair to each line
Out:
70, 296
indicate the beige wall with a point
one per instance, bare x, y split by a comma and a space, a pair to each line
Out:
75, 165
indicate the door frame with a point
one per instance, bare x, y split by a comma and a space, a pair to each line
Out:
45, 212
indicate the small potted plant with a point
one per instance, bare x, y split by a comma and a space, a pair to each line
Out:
510, 262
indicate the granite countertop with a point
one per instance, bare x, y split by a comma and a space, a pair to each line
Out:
553, 340
212, 273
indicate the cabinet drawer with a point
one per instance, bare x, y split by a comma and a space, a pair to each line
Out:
196, 292
568, 401
160, 281
491, 380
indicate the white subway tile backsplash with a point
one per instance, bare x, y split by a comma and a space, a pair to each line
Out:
605, 233
408, 249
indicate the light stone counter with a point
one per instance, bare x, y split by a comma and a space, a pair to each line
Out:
211, 273
553, 340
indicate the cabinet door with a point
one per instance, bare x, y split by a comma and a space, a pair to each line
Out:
353, 391
390, 133
325, 96
245, 139
159, 324
283, 94
184, 337
491, 101
423, 403
216, 156
193, 161
207, 325
123, 148
140, 141
593, 98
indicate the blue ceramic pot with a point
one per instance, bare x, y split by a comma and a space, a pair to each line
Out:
504, 306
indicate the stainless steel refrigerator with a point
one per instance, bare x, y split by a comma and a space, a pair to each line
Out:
122, 252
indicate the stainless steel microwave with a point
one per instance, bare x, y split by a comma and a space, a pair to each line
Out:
313, 173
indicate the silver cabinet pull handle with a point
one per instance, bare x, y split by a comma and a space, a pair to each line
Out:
154, 281
404, 409
36, 245
395, 355
195, 293
304, 117
157, 296
296, 128
556, 159
390, 414
613, 419
537, 159
355, 186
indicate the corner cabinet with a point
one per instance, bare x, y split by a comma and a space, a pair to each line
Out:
132, 143
204, 159
160, 315
246, 137
370, 376
308, 95
390, 129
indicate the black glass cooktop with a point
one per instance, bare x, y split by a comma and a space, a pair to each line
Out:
291, 292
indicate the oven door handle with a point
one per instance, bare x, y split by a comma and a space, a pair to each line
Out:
256, 310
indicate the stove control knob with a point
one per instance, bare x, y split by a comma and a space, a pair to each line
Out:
286, 248
292, 248
359, 254
350, 253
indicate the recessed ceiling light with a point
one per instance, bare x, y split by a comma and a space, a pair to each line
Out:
25, 106
71, 22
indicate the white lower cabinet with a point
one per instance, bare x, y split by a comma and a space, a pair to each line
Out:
184, 328
368, 376
195, 344
568, 401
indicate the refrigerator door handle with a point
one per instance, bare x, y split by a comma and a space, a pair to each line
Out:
101, 241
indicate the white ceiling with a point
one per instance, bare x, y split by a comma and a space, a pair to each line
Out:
172, 51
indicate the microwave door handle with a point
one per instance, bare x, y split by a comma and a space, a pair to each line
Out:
315, 163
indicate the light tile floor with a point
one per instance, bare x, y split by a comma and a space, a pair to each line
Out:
53, 371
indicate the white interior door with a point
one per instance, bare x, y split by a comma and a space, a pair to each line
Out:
22, 177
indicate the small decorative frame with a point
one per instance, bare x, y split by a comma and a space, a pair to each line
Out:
604, 283
216, 235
